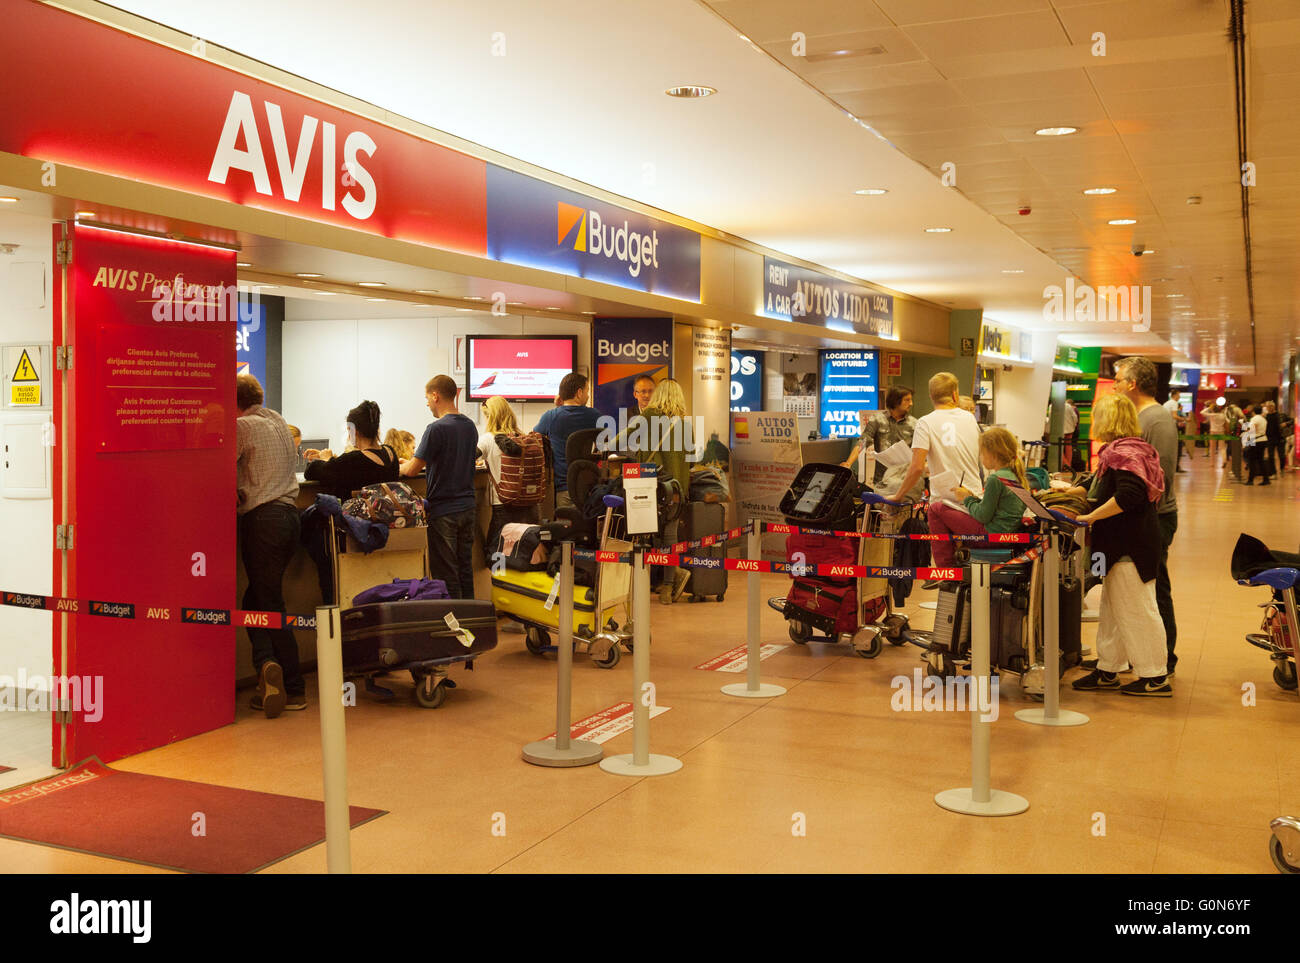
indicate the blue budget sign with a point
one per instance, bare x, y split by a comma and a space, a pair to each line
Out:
746, 381
849, 384
793, 293
250, 342
536, 224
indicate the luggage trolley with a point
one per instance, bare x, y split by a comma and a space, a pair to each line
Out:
824, 495
524, 596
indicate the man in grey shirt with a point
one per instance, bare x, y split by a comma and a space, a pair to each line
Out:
1137, 378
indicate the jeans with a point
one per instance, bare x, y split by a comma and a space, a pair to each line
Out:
451, 552
1168, 523
268, 536
664, 540
946, 520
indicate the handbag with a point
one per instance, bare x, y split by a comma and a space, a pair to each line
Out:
390, 503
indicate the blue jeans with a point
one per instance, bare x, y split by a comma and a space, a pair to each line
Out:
451, 552
268, 536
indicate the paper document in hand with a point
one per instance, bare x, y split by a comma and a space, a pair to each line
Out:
896, 455
943, 486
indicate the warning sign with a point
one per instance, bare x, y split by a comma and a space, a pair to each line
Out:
23, 371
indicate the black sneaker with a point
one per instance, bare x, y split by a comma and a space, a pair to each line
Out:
1158, 686
1088, 664
295, 703
1097, 680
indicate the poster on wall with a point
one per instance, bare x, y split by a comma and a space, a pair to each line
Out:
765, 457
746, 380
623, 350
711, 383
849, 384
799, 385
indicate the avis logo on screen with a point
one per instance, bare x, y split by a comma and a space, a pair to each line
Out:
241, 124
591, 235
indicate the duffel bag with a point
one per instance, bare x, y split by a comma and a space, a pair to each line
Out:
821, 549
402, 590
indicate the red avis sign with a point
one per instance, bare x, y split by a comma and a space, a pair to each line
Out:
179, 121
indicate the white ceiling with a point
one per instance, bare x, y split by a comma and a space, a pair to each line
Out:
773, 158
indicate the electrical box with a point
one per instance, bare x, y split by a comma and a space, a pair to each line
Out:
25, 445
641, 498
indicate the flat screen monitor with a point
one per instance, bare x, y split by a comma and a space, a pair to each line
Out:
518, 368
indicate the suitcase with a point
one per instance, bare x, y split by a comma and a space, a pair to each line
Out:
423, 636
707, 518
819, 494
523, 595
828, 605
821, 549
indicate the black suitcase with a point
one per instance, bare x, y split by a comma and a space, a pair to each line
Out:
707, 518
423, 637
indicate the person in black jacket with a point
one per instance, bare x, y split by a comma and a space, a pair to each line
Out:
1275, 451
1126, 542
369, 464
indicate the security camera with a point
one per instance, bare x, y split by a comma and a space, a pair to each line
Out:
1139, 250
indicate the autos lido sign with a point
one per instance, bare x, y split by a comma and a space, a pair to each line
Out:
792, 293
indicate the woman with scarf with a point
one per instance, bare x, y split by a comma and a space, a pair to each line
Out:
1126, 535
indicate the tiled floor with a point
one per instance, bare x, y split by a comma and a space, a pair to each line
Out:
1180, 785
24, 746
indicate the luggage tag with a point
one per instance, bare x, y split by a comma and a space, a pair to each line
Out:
555, 593
465, 635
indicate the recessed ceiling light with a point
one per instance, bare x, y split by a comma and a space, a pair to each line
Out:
8, 200
1056, 131
937, 230
464, 309
588, 312
472, 297
243, 264
1013, 270
1123, 220
871, 191
376, 299
1175, 295
327, 294
514, 302
370, 284
304, 275
691, 90
85, 213
1100, 190
425, 291
551, 308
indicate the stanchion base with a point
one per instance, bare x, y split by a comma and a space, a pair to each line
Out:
929, 605
579, 753
764, 691
1000, 803
657, 766
1064, 717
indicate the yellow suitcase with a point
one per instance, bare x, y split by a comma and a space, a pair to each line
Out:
523, 595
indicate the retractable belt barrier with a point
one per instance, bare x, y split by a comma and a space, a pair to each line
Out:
188, 615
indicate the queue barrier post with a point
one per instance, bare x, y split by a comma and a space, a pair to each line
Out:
1051, 714
333, 740
752, 687
561, 751
641, 761
979, 799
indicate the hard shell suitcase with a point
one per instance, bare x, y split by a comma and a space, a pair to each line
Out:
706, 518
399, 635
523, 596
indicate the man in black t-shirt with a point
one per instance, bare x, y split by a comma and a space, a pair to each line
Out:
446, 454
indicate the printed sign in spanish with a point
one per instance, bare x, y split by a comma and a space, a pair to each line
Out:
794, 293
765, 457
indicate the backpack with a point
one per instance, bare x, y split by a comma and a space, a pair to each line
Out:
524, 465
388, 503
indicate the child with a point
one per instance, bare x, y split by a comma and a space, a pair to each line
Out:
999, 510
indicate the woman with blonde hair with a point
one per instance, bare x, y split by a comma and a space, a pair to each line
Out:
1126, 536
662, 429
402, 442
500, 424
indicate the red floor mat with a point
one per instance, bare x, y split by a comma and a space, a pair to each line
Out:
153, 820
